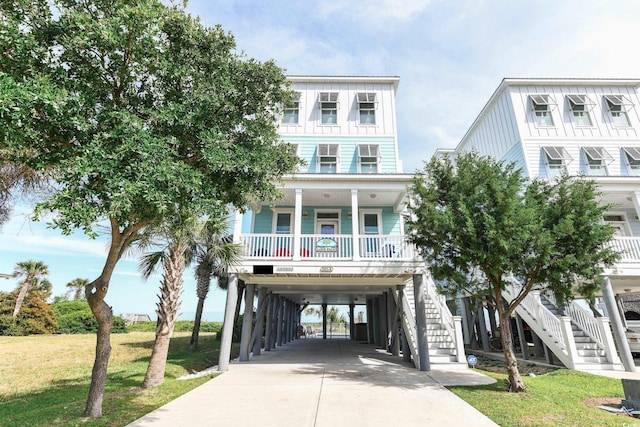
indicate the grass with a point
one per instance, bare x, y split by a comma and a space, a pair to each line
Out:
553, 399
44, 379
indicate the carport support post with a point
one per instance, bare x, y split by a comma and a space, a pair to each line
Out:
227, 326
245, 339
419, 291
406, 351
280, 321
370, 339
483, 326
324, 321
618, 328
384, 325
352, 320
523, 341
256, 337
376, 321
392, 310
465, 320
269, 326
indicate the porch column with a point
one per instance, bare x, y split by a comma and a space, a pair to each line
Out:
352, 323
636, 201
355, 226
280, 321
256, 337
616, 324
227, 326
324, 321
245, 339
421, 321
297, 225
268, 334
237, 226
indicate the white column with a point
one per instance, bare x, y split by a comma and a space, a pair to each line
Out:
355, 226
617, 326
237, 226
227, 326
636, 202
297, 225
457, 326
569, 341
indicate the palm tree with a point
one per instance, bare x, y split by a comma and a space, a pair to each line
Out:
77, 286
30, 270
214, 254
174, 237
19, 180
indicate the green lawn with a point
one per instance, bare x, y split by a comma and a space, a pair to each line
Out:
44, 380
553, 399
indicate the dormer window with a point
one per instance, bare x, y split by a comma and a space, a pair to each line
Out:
327, 158
596, 160
292, 110
368, 158
329, 108
542, 106
556, 159
632, 157
580, 106
367, 108
618, 106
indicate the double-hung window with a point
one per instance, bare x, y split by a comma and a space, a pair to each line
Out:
556, 159
367, 108
542, 106
580, 106
596, 160
327, 158
329, 108
292, 110
368, 158
618, 106
632, 156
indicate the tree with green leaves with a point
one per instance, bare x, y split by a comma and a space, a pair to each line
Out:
77, 287
32, 271
478, 224
214, 253
138, 111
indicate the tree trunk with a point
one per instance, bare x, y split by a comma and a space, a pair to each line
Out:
104, 316
167, 313
196, 325
21, 295
515, 383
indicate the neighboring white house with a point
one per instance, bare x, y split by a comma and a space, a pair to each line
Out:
580, 127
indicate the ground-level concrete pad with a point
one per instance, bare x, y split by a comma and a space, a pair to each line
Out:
323, 383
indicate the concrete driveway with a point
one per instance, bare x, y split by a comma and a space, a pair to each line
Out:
324, 383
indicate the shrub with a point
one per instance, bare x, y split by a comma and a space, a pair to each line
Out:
35, 316
75, 317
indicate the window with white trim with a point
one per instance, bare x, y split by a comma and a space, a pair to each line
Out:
367, 108
632, 157
329, 108
596, 160
556, 160
368, 158
292, 110
580, 106
618, 106
283, 222
542, 106
327, 158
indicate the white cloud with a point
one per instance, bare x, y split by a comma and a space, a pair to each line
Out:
375, 12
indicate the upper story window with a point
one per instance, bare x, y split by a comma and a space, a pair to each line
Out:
367, 108
283, 222
580, 106
632, 157
292, 110
542, 106
368, 158
556, 159
329, 108
618, 106
596, 160
327, 158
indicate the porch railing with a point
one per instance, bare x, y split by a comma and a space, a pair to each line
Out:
629, 248
322, 246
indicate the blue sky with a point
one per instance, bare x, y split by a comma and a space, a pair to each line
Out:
450, 57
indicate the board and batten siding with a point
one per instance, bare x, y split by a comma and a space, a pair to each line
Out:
348, 152
348, 122
495, 132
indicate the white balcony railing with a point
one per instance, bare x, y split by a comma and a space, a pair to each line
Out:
322, 246
629, 248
